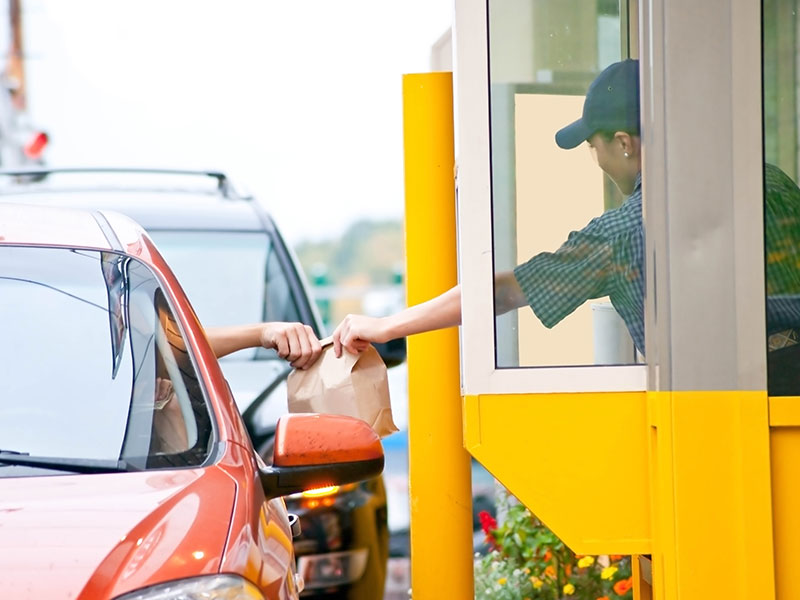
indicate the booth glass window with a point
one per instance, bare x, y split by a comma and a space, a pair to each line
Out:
781, 195
543, 56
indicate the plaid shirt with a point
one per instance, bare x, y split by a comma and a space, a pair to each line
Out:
782, 241
605, 258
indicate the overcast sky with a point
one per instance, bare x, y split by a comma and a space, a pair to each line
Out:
301, 100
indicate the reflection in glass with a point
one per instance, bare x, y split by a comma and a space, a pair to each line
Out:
113, 266
544, 56
63, 312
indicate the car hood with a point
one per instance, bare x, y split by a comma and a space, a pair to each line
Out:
92, 536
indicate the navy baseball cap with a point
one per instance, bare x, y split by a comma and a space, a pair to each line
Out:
611, 104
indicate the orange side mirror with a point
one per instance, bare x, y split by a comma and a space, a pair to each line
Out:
315, 450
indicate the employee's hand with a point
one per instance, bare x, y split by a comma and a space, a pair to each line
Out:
355, 333
294, 342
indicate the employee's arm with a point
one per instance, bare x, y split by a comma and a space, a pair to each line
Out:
355, 332
507, 293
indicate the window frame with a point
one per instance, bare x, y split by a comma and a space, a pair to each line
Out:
479, 373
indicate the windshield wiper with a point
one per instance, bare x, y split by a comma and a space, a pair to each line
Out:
73, 465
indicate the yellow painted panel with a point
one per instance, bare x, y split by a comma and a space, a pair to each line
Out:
785, 458
716, 499
578, 461
784, 411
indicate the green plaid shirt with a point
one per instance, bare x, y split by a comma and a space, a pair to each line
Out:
782, 241
605, 258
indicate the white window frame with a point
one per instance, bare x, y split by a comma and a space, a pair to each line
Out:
479, 374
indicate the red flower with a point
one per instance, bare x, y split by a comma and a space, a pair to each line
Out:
488, 522
547, 556
615, 557
623, 585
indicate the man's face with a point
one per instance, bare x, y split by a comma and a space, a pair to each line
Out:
610, 156
602, 152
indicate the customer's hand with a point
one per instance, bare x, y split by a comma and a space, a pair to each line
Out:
295, 342
355, 333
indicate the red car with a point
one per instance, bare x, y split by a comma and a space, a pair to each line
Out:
125, 469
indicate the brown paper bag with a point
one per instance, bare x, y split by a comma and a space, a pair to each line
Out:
353, 385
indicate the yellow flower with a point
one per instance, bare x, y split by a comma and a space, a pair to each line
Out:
569, 589
502, 581
536, 582
586, 561
527, 571
608, 572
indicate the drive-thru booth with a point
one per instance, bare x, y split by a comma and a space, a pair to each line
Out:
693, 463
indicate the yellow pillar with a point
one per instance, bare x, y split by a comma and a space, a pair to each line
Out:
439, 467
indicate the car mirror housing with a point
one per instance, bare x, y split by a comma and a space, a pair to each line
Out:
314, 450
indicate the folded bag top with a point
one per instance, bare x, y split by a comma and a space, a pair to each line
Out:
355, 385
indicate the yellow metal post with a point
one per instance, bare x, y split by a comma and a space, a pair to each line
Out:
439, 467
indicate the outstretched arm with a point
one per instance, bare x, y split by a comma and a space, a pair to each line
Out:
356, 331
294, 342
507, 293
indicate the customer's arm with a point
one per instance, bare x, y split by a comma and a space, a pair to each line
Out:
294, 342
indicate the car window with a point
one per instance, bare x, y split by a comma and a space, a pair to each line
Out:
94, 364
231, 277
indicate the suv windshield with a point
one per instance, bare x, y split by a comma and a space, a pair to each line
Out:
94, 364
232, 277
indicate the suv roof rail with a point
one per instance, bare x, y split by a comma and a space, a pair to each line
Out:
224, 183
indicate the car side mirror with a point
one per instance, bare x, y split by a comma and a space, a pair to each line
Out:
314, 450
392, 352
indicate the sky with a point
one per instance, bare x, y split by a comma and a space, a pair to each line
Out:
301, 101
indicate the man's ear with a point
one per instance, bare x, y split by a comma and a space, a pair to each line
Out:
625, 141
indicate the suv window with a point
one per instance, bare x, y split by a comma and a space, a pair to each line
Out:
94, 364
248, 285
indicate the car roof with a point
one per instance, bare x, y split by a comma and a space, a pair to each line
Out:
154, 199
53, 226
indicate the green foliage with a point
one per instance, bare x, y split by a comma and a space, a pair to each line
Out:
372, 249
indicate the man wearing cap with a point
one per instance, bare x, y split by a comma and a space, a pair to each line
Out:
605, 258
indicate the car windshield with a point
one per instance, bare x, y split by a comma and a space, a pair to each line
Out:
231, 277
94, 365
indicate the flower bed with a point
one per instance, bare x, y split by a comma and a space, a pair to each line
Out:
527, 561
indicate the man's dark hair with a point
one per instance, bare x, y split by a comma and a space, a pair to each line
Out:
609, 135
